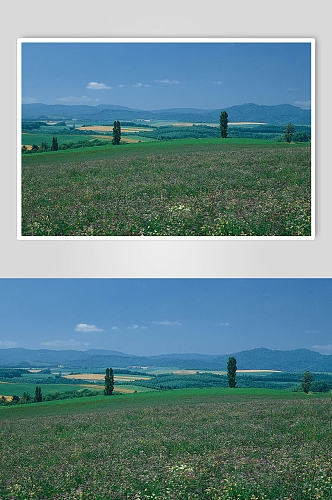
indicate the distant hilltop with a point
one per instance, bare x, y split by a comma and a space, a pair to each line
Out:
279, 114
297, 360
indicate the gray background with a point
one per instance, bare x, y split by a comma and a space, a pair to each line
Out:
236, 18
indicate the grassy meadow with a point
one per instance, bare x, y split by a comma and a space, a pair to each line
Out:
193, 444
183, 187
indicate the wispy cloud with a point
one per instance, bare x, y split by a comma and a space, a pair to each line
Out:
121, 85
323, 349
114, 327
166, 81
29, 100
84, 327
135, 326
225, 323
7, 344
70, 343
311, 331
167, 322
303, 104
218, 82
98, 86
140, 85
83, 99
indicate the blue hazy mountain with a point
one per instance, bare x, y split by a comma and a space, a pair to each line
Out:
259, 359
279, 114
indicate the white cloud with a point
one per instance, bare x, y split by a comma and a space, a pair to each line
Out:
141, 85
114, 327
84, 327
303, 104
135, 326
167, 322
225, 323
7, 344
70, 343
323, 349
166, 81
83, 99
97, 86
218, 82
121, 85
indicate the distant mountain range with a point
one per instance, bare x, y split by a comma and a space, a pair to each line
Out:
280, 114
259, 359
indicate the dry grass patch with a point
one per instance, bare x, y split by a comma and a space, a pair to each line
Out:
109, 128
101, 376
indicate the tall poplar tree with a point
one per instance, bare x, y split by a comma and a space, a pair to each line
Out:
55, 145
116, 132
289, 132
38, 395
109, 382
307, 378
223, 124
231, 371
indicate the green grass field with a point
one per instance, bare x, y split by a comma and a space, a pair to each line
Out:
192, 444
39, 138
204, 187
9, 389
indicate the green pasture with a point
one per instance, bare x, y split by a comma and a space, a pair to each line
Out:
225, 444
196, 187
9, 389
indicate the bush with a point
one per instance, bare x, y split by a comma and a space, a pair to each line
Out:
319, 386
301, 137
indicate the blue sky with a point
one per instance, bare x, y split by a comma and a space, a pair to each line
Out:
166, 75
154, 316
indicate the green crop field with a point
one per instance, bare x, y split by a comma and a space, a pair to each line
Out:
37, 139
205, 187
9, 389
192, 444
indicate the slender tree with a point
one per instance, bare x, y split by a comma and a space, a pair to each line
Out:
38, 395
116, 132
34, 148
289, 132
231, 371
223, 124
26, 397
55, 145
43, 146
109, 382
307, 378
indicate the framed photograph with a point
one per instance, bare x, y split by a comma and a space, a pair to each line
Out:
168, 394
166, 138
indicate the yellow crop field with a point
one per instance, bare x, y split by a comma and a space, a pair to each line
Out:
247, 123
109, 128
184, 372
101, 376
7, 398
192, 372
259, 371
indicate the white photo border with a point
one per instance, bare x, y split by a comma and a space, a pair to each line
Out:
172, 39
